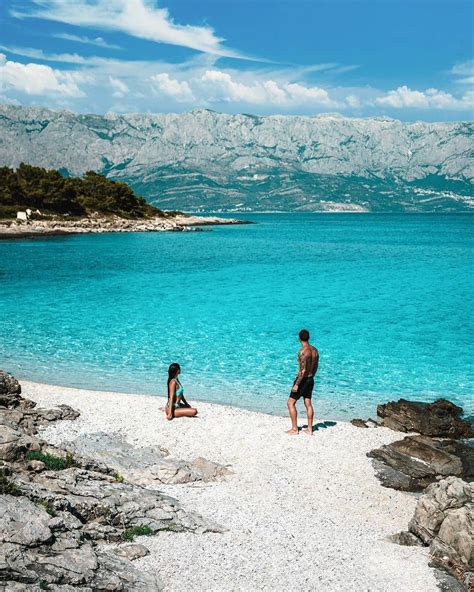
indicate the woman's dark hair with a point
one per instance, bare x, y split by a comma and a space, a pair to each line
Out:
173, 371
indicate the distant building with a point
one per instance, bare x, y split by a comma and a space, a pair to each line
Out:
22, 216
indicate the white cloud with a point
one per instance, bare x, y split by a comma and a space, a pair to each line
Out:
38, 54
216, 85
465, 70
120, 89
353, 101
179, 90
139, 18
38, 79
432, 98
98, 41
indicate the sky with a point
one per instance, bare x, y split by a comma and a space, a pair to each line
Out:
404, 59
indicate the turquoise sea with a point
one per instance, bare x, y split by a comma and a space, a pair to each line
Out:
387, 298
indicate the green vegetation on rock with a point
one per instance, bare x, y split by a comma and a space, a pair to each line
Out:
134, 531
54, 194
55, 463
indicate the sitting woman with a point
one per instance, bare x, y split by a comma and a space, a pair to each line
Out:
177, 405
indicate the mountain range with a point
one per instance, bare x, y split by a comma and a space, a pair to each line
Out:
208, 161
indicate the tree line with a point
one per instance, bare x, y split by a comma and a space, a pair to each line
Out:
54, 194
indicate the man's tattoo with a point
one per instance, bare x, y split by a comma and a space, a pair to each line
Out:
301, 367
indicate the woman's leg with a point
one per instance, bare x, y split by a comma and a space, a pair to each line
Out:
185, 412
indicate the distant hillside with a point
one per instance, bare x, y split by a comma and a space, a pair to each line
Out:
52, 193
212, 161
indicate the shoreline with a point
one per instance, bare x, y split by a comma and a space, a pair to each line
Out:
162, 398
49, 228
295, 508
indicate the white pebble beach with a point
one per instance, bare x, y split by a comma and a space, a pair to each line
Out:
302, 513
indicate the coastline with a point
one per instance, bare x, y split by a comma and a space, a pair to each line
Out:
297, 509
99, 225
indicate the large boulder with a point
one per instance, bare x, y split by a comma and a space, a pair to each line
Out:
14, 443
439, 419
9, 385
416, 461
444, 521
10, 392
146, 466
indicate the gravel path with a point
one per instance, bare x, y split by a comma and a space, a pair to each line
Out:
302, 512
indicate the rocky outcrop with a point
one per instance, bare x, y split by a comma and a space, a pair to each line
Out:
38, 552
441, 419
23, 413
97, 225
413, 463
444, 521
58, 510
147, 466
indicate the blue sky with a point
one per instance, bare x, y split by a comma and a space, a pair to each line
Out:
404, 59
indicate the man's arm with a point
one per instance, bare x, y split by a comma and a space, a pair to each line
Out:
316, 361
302, 358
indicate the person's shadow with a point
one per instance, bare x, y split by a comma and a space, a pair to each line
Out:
320, 426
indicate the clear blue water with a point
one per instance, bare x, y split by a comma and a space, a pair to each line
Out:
387, 298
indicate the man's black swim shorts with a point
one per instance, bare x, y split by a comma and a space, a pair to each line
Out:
305, 389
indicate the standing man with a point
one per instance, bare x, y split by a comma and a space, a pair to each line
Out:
308, 361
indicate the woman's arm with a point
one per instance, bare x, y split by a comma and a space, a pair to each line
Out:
184, 402
171, 399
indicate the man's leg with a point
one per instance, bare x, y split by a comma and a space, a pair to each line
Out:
310, 413
293, 417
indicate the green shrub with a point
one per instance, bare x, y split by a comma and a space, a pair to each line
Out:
55, 463
134, 531
118, 477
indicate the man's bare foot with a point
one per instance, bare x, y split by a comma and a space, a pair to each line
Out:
308, 431
292, 432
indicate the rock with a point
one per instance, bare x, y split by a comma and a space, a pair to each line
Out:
22, 522
449, 494
359, 423
448, 583
362, 423
439, 419
105, 507
146, 466
14, 443
406, 539
464, 450
131, 552
9, 385
444, 520
32, 419
422, 460
208, 470
36, 465
390, 477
